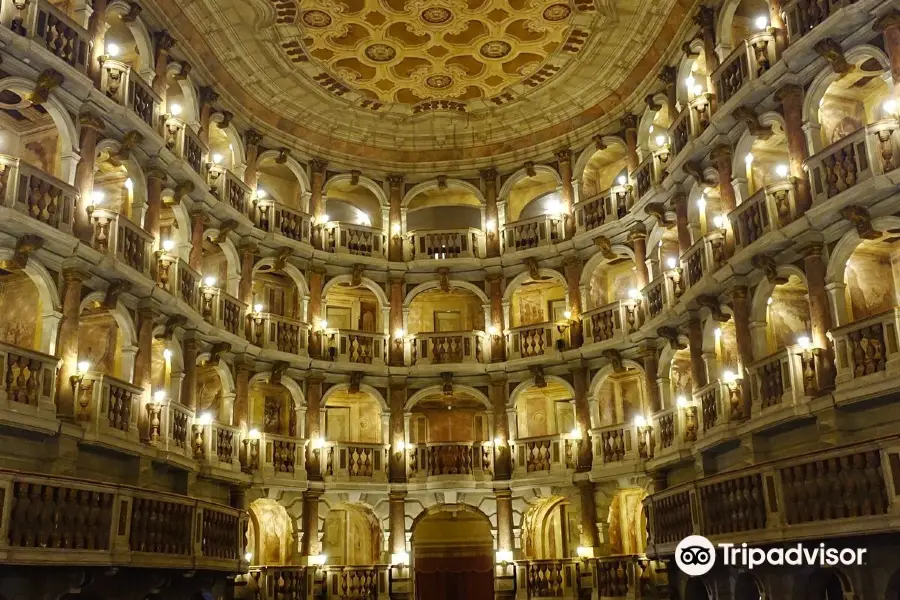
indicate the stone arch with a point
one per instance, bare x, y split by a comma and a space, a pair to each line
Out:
436, 389
232, 261
647, 117
523, 174
748, 587
223, 371
366, 182
291, 163
142, 38
529, 383
51, 306
608, 370
684, 68
724, 22
366, 283
746, 140
126, 326
525, 276
818, 581
295, 274
760, 297
360, 516
585, 156
368, 389
536, 529
268, 519
236, 140
598, 259
293, 387
135, 173
454, 283
433, 183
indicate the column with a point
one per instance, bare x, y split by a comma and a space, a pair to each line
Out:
309, 543
189, 349
564, 529
241, 412
682, 223
583, 418
568, 193
723, 157
397, 471
505, 537
198, 225
706, 19
590, 535
695, 341
245, 292
313, 400
164, 44
395, 245
638, 240
97, 27
777, 22
889, 27
91, 126
67, 343
316, 279
156, 178
502, 456
630, 123
491, 214
651, 371
791, 99
207, 98
397, 540
819, 314
669, 77
317, 168
573, 266
143, 361
498, 341
397, 345
252, 138
740, 300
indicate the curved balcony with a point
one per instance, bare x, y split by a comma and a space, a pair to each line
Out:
108, 408
51, 29
719, 404
612, 323
126, 88
274, 332
352, 461
348, 238
786, 379
182, 141
283, 223
768, 210
549, 454
356, 347
230, 191
548, 578
660, 295
801, 18
439, 461
749, 61
867, 352
606, 207
449, 347
649, 175
115, 235
440, 244
36, 195
690, 123
540, 339
28, 395
176, 277
705, 257
536, 232
222, 310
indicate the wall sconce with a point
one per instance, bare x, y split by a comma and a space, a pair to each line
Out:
499, 442
400, 560
316, 560
761, 22
584, 552
735, 397
94, 200
248, 556
782, 171
493, 331
254, 434
209, 281
81, 369
175, 110
396, 230
205, 419
168, 245
682, 402
317, 443
575, 434
808, 361
644, 436
260, 193
503, 557
399, 336
399, 447
490, 228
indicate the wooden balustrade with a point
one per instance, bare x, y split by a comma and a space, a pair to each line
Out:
769, 209
125, 87
218, 445
752, 58
605, 207
529, 341
448, 348
169, 427
614, 577
279, 583
51, 28
450, 459
356, 582
543, 230
29, 381
358, 347
733, 505
278, 219
33, 193
115, 235
719, 403
186, 144
612, 322
867, 349
177, 278
275, 332
547, 453
472, 460
786, 377
680, 133
347, 238
439, 244
229, 189
549, 578
802, 16
349, 461
108, 406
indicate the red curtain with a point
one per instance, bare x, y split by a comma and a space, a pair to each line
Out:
455, 578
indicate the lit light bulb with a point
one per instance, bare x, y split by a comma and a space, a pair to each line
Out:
258, 308
159, 395
890, 106
567, 314
260, 193
324, 219
762, 22
690, 81
698, 90
205, 418
804, 342
216, 158
748, 159
661, 140
650, 130
113, 50
168, 245
622, 180
209, 281
640, 421
490, 225
554, 206
701, 203
492, 330
401, 446
323, 324
729, 376
718, 332
253, 434
129, 184
634, 294
671, 262
83, 366
498, 441
396, 228
782, 171
248, 556
719, 221
167, 354
175, 110
681, 401
769, 302
97, 197
317, 443
399, 333
575, 434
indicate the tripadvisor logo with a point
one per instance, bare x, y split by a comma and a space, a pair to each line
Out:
695, 555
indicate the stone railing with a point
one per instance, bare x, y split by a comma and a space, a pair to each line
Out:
839, 491
177, 278
50, 28
33, 193
117, 236
687, 126
28, 382
606, 207
217, 445
543, 230
751, 58
280, 220
769, 209
659, 295
611, 323
528, 341
452, 347
449, 459
182, 141
802, 16
222, 310
126, 88
551, 453
787, 377
704, 258
676, 428
358, 347
50, 518
548, 578
355, 461
439, 244
854, 159
354, 582
279, 583
229, 189
108, 406
718, 403
867, 350
649, 174
347, 238
170, 426
274, 332
614, 443
282, 455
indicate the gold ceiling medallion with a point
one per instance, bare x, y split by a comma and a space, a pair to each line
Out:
436, 15
495, 49
557, 12
316, 18
380, 53
439, 81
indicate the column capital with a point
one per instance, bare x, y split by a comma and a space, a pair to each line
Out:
637, 234
891, 19
668, 75
397, 496
395, 180
788, 92
199, 215
315, 377
706, 19
253, 137
164, 40
89, 120
813, 249
629, 121
564, 155
207, 95
317, 270
397, 281
248, 248
504, 493
75, 274
722, 152
488, 175
318, 165
740, 291
157, 173
572, 261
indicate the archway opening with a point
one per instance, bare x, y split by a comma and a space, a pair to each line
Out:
828, 584
681, 380
278, 183
458, 417
606, 168
611, 281
538, 302
221, 149
787, 315
352, 308
767, 162
750, 17
533, 196
210, 394
353, 418
352, 536
620, 398
870, 276
30, 133
114, 189
270, 537
746, 587
354, 204
21, 302
725, 350
453, 207
453, 555
276, 293
549, 529
545, 411
273, 408
100, 342
627, 522
854, 101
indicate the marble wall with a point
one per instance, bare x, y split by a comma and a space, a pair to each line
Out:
353, 418
99, 343
21, 304
209, 392
870, 284
351, 536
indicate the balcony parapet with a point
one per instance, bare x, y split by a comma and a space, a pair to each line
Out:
37, 195
51, 29
768, 210
275, 332
706, 256
867, 353
536, 232
606, 207
120, 83
348, 238
182, 141
229, 190
611, 323
440, 244
800, 18
27, 397
786, 379
448, 347
749, 61
176, 277
659, 296
115, 235
550, 454
439, 461
170, 426
540, 339
222, 310
108, 408
355, 347
285, 222
352, 461
548, 578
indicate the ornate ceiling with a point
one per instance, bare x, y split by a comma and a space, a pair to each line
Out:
416, 81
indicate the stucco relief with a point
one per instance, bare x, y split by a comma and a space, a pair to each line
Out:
209, 390
97, 343
870, 285
20, 303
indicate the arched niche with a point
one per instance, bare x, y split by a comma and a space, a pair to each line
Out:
627, 522
29, 313
607, 280
359, 203
533, 196
606, 167
274, 405
180, 99
355, 308
720, 348
220, 262
549, 529
128, 42
692, 71
766, 163
827, 584
119, 185
460, 309
618, 397
662, 250
434, 416
352, 535
281, 292
543, 410
738, 20
282, 180
225, 148
780, 313
531, 302
271, 535
106, 338
354, 417
454, 206
653, 131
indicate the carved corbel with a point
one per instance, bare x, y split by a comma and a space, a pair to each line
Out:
668, 75
747, 115
651, 103
615, 359
227, 116
225, 228
116, 288
447, 385
537, 373
671, 335
767, 264
25, 245
442, 182
172, 323
356, 378
134, 11
658, 211
182, 190
253, 137
217, 351
444, 279
354, 177
131, 140
629, 121
534, 269
598, 142
529, 169
605, 247
859, 216
207, 95
356, 274
283, 154
693, 168
47, 81
832, 52
715, 308
278, 369
281, 258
